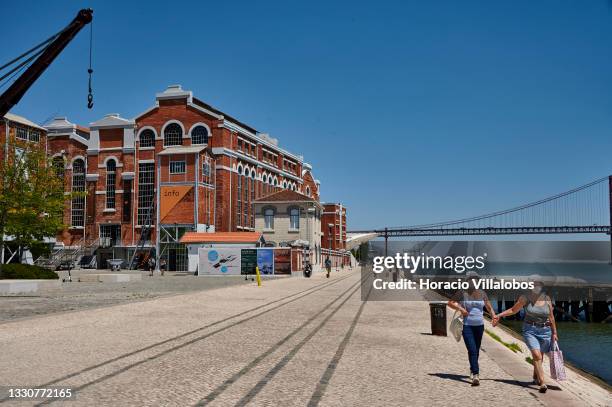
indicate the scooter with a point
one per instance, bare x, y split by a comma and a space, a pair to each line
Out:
307, 270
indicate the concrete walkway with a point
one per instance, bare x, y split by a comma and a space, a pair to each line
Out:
290, 342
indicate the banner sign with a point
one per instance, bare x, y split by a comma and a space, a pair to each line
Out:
221, 261
249, 261
239, 261
265, 261
171, 196
282, 261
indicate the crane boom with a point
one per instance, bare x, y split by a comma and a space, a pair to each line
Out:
21, 85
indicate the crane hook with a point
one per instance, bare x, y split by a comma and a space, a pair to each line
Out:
90, 71
90, 94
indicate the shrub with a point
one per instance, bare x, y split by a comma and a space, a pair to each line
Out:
17, 271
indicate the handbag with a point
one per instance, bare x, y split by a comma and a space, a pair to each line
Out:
456, 326
557, 369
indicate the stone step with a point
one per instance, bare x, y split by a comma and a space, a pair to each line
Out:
109, 278
27, 286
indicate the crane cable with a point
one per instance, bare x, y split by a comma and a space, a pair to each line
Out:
25, 54
90, 71
19, 68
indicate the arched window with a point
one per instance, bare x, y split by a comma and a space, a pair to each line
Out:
245, 188
173, 135
111, 171
269, 218
307, 191
58, 167
252, 181
199, 135
77, 218
147, 138
294, 218
239, 195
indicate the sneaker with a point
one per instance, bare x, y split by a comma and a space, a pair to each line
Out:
475, 380
471, 377
543, 388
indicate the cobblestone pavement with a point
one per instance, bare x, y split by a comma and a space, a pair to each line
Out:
290, 342
83, 295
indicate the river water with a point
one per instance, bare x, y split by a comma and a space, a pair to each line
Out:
585, 345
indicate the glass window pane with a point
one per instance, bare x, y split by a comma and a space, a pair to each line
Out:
173, 135
147, 138
199, 135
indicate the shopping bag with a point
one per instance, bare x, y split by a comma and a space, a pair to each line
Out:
557, 369
456, 326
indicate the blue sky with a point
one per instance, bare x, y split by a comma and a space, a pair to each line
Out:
410, 112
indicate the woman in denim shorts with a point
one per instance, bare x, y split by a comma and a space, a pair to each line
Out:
471, 304
539, 328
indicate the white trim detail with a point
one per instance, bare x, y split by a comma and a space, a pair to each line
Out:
200, 124
146, 128
169, 122
78, 157
111, 157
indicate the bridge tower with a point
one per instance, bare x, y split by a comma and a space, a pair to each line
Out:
387, 231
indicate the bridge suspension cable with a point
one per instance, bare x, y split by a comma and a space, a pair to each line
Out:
585, 209
583, 205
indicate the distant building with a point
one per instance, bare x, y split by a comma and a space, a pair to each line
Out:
333, 226
180, 166
288, 218
17, 132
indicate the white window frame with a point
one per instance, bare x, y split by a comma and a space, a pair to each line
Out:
173, 170
294, 224
21, 133
269, 219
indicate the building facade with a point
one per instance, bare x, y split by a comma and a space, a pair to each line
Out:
333, 226
179, 166
18, 132
288, 218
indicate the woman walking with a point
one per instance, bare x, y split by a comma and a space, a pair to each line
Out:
470, 304
539, 327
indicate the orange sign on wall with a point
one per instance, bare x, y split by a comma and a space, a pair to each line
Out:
171, 196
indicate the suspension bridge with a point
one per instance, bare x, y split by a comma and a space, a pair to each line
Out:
585, 209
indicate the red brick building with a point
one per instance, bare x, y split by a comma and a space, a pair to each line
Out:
333, 230
333, 226
181, 165
17, 132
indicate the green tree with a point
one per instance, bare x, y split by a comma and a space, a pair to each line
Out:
32, 197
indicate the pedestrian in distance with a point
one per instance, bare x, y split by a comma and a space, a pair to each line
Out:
162, 265
539, 327
328, 266
151, 265
470, 304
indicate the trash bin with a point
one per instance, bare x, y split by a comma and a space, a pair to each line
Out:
437, 311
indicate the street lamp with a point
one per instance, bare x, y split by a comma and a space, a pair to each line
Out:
329, 239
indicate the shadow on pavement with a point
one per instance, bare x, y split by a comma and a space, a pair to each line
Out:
451, 376
527, 384
464, 379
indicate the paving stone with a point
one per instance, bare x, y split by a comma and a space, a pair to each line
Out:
290, 342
